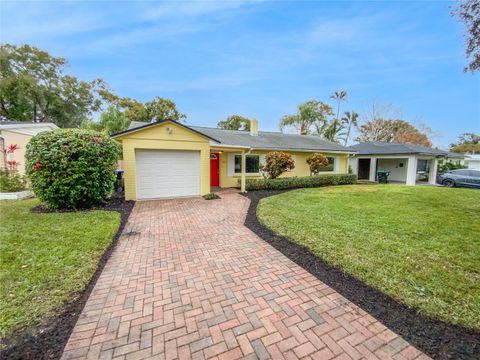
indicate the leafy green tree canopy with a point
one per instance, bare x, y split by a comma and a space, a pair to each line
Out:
235, 122
316, 118
467, 143
111, 121
157, 109
34, 87
310, 114
468, 12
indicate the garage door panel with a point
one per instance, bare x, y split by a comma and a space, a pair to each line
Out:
165, 173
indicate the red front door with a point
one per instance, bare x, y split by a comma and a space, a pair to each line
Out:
214, 170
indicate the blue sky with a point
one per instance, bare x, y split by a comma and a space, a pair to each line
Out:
260, 59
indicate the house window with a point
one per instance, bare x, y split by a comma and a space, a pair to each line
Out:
330, 166
422, 165
252, 164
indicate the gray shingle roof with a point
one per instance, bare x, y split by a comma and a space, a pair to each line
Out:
27, 127
387, 148
265, 140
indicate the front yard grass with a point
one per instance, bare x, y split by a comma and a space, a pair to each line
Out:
46, 259
420, 245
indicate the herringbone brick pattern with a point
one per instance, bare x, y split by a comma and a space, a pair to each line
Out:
189, 281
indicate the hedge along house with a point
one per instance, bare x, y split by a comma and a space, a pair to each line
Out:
407, 163
169, 159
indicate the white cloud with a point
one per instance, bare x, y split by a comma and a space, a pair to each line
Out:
109, 27
187, 9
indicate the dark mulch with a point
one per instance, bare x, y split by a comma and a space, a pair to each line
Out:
436, 338
47, 340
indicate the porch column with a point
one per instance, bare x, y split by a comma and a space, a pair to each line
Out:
432, 171
411, 171
243, 178
373, 169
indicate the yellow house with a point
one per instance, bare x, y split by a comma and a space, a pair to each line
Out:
169, 159
19, 133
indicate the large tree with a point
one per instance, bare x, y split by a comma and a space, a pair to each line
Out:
316, 118
468, 12
34, 87
112, 120
467, 143
155, 110
399, 131
311, 116
235, 122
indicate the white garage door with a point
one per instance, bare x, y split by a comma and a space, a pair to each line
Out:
165, 173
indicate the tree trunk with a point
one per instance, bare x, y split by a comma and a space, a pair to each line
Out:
348, 133
35, 111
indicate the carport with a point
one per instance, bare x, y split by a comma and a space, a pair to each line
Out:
407, 163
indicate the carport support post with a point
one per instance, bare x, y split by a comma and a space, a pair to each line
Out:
432, 171
243, 179
411, 171
372, 176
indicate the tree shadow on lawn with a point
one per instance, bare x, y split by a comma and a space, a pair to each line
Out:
436, 338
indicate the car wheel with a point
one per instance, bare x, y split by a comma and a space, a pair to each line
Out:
449, 183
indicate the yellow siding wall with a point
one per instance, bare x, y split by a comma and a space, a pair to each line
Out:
21, 140
301, 167
157, 137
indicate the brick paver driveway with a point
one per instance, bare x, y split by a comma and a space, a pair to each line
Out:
189, 280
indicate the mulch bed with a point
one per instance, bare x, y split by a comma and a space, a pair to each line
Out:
47, 340
436, 338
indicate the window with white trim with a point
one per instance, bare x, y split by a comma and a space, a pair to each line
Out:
252, 164
330, 166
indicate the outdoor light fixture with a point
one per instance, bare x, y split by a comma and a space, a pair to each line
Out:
169, 130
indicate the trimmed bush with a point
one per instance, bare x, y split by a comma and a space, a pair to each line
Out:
317, 162
300, 182
276, 163
72, 168
450, 166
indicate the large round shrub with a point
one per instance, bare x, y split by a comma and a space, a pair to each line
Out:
276, 163
72, 168
317, 163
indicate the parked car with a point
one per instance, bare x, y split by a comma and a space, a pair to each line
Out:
460, 177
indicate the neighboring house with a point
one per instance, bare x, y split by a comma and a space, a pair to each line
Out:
405, 162
472, 161
170, 159
455, 158
452, 158
19, 133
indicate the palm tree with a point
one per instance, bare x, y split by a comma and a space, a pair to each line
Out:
339, 96
350, 118
333, 131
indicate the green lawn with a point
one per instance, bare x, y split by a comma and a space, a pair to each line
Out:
421, 245
46, 259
